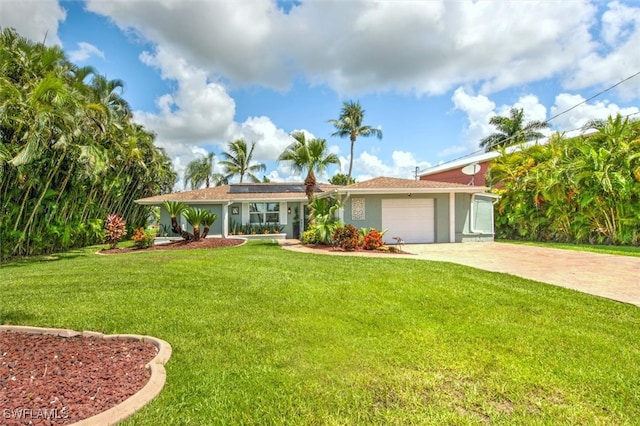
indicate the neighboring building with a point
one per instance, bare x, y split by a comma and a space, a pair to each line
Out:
453, 170
416, 211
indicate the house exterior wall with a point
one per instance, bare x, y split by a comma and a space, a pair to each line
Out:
472, 223
216, 228
373, 212
456, 176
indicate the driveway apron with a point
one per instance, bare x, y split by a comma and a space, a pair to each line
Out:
610, 276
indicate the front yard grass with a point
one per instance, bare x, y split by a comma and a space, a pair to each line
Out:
265, 336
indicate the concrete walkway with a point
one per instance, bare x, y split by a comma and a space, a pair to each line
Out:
610, 276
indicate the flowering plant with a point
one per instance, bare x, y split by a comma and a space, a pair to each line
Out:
143, 238
115, 228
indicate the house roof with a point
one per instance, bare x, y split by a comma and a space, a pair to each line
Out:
389, 185
257, 192
238, 193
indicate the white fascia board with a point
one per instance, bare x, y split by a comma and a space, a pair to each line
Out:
488, 195
159, 203
461, 190
227, 201
455, 164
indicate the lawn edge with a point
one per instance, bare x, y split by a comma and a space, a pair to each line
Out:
135, 402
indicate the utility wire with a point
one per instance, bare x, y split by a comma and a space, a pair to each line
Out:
558, 115
594, 96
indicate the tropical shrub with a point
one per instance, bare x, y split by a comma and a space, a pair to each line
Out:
371, 239
323, 219
115, 228
70, 153
196, 217
309, 236
143, 238
346, 237
584, 189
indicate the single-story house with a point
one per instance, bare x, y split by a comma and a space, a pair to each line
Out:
417, 211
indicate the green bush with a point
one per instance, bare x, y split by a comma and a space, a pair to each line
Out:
346, 237
143, 238
309, 236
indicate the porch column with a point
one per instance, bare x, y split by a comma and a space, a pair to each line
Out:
452, 217
225, 220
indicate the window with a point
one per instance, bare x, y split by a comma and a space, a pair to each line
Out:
264, 212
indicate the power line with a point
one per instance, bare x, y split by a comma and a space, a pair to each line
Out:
559, 114
594, 96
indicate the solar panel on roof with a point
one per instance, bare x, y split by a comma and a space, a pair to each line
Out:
240, 188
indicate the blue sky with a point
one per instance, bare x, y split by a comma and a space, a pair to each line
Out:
430, 74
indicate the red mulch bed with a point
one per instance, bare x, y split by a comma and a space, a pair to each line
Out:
383, 250
205, 243
53, 380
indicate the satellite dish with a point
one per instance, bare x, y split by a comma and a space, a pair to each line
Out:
471, 170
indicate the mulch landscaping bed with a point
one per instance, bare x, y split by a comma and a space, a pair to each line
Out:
205, 243
383, 250
53, 380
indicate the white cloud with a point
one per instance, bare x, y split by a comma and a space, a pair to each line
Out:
479, 110
422, 47
270, 140
38, 22
616, 58
403, 165
199, 111
572, 121
84, 52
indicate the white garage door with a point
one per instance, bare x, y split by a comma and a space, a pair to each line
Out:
410, 219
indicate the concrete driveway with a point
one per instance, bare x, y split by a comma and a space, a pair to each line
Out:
610, 276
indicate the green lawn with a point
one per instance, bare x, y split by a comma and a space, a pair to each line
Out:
265, 336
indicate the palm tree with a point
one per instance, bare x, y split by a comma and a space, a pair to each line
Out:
310, 155
237, 162
512, 130
350, 124
199, 171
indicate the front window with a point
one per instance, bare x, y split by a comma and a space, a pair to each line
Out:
264, 212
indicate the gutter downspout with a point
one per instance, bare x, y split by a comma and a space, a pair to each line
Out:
341, 209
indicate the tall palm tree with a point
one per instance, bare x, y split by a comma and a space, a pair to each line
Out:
199, 171
512, 130
350, 124
237, 161
308, 155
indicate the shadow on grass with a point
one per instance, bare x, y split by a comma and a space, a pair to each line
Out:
14, 317
23, 261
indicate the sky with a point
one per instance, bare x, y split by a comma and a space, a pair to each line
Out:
429, 74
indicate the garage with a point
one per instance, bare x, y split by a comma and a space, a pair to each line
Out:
410, 219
